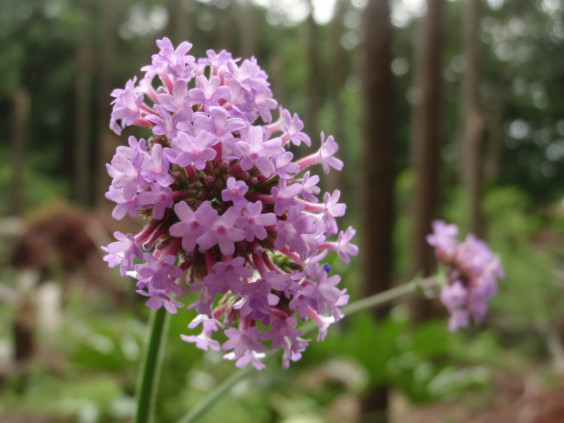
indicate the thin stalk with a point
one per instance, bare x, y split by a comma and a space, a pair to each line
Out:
216, 394
362, 304
151, 366
389, 295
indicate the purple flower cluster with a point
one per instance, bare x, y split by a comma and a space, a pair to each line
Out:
472, 272
231, 214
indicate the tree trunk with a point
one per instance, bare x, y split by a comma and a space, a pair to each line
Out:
21, 119
473, 120
426, 145
338, 71
496, 134
227, 27
180, 22
83, 128
249, 30
313, 74
277, 73
106, 59
378, 172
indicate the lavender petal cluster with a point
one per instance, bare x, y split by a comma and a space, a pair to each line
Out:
232, 215
472, 272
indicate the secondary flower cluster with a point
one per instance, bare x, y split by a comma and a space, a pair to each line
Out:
472, 271
232, 214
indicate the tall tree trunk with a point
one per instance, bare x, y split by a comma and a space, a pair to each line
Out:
21, 119
83, 128
338, 70
473, 120
180, 22
249, 30
106, 59
426, 144
378, 172
277, 72
227, 26
313, 74
495, 134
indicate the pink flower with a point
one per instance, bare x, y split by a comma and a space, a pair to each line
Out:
232, 217
222, 232
472, 270
195, 151
235, 192
254, 222
443, 238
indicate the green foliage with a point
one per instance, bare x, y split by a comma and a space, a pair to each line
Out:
98, 398
403, 225
508, 212
425, 363
105, 347
372, 344
40, 188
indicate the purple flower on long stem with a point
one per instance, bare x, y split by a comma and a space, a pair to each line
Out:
232, 215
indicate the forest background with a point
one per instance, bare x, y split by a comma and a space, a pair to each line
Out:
442, 109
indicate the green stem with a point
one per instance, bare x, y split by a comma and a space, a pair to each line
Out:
216, 394
149, 377
389, 295
362, 304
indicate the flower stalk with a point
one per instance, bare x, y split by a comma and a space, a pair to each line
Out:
150, 369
